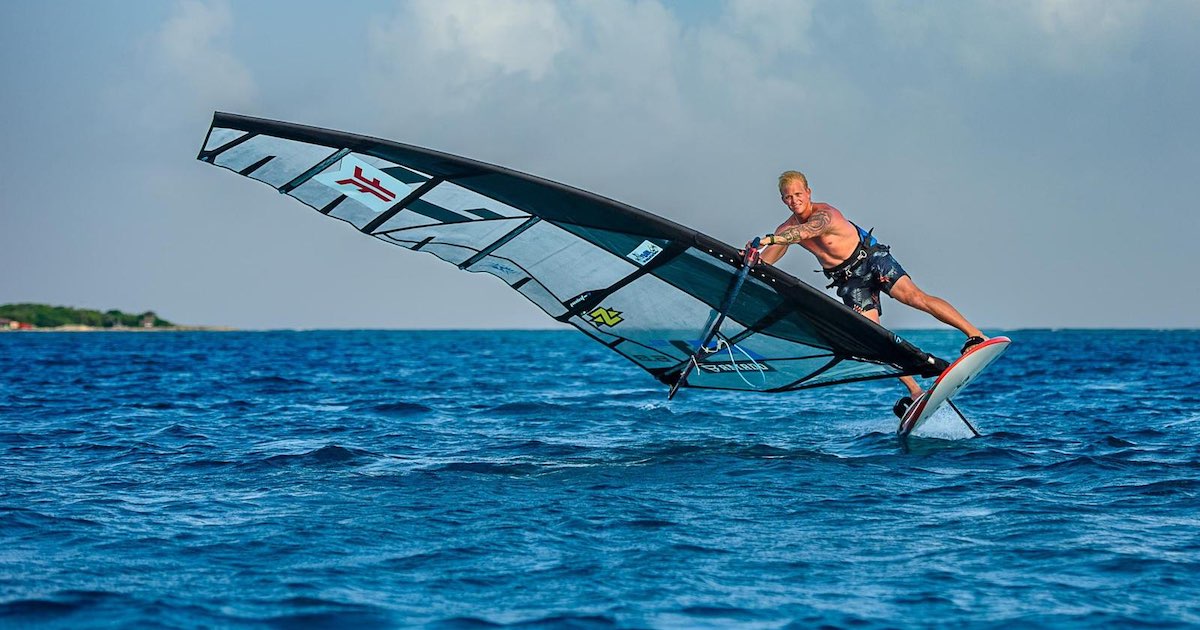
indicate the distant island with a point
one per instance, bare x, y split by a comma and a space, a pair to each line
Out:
46, 317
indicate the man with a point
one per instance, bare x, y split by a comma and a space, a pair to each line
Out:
858, 265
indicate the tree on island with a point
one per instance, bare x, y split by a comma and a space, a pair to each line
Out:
45, 316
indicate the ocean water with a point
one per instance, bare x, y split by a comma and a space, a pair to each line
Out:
533, 479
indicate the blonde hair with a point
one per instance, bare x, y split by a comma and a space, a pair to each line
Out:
788, 176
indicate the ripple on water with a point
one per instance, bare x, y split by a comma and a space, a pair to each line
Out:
364, 479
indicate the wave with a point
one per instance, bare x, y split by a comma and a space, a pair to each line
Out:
517, 469
400, 408
57, 605
330, 454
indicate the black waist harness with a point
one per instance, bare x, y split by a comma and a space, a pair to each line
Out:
867, 245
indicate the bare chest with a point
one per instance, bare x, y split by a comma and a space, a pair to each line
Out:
836, 245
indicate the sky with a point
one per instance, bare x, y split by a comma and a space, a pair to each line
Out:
1025, 159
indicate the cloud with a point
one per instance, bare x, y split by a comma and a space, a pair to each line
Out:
509, 37
773, 26
629, 98
454, 47
995, 36
600, 73
1084, 35
192, 50
180, 72
500, 74
622, 60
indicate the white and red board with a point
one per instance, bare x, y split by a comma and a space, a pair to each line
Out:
951, 381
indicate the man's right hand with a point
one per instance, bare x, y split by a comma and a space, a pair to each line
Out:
758, 242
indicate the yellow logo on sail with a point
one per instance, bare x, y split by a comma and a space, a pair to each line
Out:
601, 316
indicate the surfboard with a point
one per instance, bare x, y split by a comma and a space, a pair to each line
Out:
952, 381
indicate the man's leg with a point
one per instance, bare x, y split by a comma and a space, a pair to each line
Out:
906, 292
914, 389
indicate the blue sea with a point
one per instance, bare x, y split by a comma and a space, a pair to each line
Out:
366, 479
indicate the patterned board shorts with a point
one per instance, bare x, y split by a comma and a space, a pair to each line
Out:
860, 285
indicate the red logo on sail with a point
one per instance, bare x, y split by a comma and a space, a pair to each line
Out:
369, 186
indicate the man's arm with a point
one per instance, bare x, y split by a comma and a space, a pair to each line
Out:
772, 253
818, 223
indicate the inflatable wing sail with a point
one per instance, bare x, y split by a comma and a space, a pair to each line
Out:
644, 286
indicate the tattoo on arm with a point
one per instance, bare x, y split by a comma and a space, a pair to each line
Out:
816, 225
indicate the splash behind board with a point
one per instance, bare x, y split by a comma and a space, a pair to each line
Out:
952, 381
